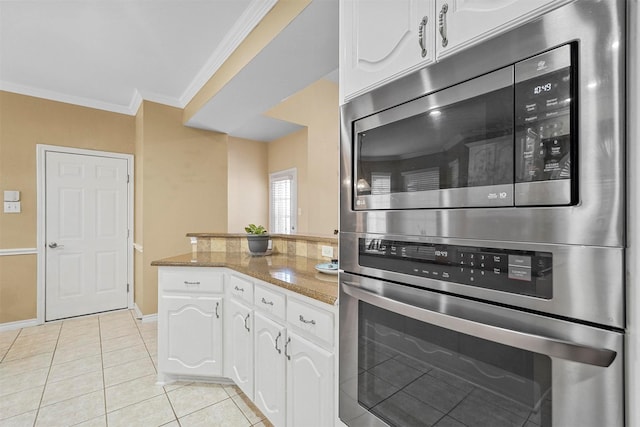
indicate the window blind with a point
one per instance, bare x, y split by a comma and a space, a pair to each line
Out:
282, 202
422, 180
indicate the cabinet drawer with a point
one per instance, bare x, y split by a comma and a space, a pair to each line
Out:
241, 288
270, 301
313, 320
193, 280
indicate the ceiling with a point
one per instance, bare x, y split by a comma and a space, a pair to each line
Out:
112, 54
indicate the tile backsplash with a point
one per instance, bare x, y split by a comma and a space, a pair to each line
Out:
294, 245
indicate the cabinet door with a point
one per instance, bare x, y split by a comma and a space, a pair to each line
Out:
240, 346
464, 23
270, 372
380, 41
310, 384
190, 336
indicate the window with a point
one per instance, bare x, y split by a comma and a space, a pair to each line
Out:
283, 201
380, 183
422, 180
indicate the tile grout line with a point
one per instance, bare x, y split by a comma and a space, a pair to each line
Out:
104, 384
46, 381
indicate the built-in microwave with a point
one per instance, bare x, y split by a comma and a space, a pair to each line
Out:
505, 138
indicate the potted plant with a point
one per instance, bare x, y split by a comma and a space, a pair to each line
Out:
258, 238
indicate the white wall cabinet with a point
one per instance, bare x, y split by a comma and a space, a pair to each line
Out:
190, 323
239, 346
382, 40
464, 23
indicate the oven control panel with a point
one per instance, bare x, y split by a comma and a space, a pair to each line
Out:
515, 271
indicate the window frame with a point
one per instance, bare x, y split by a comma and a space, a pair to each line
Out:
290, 175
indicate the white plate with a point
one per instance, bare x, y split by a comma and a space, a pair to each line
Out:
327, 268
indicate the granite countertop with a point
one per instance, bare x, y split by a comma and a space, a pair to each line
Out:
295, 273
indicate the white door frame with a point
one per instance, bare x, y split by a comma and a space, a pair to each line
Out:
41, 150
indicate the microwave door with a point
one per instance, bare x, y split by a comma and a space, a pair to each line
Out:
452, 148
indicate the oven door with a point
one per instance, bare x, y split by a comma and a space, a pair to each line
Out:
412, 357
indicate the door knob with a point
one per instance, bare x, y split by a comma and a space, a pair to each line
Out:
54, 245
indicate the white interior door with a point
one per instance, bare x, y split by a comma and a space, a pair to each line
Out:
86, 234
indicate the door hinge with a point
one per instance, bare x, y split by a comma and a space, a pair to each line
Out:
128, 233
128, 178
127, 288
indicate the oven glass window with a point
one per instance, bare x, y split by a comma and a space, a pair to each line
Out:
465, 144
414, 374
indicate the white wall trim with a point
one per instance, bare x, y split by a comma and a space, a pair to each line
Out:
137, 247
41, 151
252, 15
10, 326
18, 251
145, 318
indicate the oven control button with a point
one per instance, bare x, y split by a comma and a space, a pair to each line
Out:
520, 273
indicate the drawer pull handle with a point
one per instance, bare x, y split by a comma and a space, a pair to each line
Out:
217, 306
310, 322
246, 319
277, 338
239, 289
188, 284
264, 301
286, 345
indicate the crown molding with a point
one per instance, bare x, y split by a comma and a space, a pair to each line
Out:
254, 13
65, 98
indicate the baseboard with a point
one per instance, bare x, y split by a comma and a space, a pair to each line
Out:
144, 318
10, 326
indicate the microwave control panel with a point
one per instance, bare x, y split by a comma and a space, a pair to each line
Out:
515, 271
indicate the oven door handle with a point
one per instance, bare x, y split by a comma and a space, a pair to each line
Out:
524, 340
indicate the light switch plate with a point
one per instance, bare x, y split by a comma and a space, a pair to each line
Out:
12, 207
11, 196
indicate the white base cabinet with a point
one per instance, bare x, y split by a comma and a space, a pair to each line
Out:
277, 346
270, 369
239, 346
190, 324
310, 383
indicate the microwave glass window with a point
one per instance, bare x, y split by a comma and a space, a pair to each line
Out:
543, 127
412, 373
466, 144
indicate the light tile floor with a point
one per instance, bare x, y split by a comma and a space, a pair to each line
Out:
101, 371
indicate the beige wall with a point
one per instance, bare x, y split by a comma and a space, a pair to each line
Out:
184, 189
315, 107
25, 122
291, 152
248, 181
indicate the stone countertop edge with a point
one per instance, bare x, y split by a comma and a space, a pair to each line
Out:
295, 273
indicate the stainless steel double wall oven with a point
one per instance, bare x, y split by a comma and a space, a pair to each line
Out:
482, 233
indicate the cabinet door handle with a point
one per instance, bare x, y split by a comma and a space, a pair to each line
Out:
246, 319
217, 306
309, 322
239, 289
187, 283
264, 301
277, 338
286, 346
442, 24
421, 36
